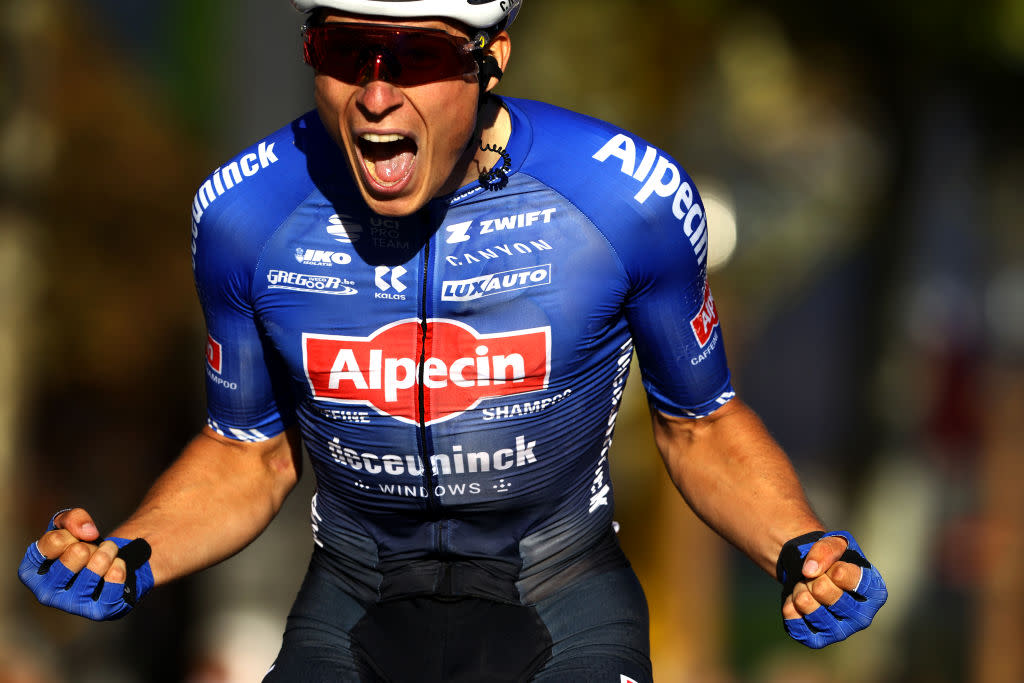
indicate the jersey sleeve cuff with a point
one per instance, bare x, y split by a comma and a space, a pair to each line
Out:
250, 434
693, 412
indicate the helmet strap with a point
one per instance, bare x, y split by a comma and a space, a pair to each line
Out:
488, 69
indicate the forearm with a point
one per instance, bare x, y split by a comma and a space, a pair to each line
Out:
735, 476
214, 500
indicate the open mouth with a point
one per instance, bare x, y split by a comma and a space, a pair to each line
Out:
388, 158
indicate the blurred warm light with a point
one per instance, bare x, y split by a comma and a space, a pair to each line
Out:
721, 218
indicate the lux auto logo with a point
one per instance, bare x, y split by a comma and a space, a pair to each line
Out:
456, 366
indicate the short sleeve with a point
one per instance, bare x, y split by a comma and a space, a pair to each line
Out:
247, 392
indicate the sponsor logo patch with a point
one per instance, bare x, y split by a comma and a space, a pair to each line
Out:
344, 229
706, 320
301, 282
213, 353
321, 257
486, 285
449, 362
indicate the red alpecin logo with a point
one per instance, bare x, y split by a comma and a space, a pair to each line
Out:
213, 353
706, 320
458, 367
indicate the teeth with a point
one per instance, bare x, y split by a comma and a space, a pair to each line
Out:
389, 137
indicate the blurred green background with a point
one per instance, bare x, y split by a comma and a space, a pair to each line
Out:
863, 166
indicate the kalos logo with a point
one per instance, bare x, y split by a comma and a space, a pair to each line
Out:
455, 365
706, 320
213, 353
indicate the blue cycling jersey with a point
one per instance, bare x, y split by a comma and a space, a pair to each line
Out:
456, 373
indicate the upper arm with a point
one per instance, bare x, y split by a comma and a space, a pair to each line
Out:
671, 312
247, 388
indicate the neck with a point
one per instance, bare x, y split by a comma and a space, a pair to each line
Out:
494, 127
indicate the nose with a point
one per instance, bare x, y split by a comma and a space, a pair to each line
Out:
378, 97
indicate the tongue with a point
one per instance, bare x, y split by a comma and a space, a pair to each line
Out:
394, 168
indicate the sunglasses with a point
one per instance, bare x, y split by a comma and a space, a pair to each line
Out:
401, 55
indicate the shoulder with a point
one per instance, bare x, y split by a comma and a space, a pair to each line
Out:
245, 198
627, 186
266, 178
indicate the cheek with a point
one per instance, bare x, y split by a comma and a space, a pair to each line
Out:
329, 96
454, 123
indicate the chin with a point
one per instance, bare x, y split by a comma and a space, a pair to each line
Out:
393, 207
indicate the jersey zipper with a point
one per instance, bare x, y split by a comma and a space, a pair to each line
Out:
426, 447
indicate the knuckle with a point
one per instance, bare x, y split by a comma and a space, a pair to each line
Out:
100, 562
116, 573
805, 602
823, 591
77, 554
846, 575
50, 544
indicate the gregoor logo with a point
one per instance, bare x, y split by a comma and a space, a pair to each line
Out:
460, 367
301, 282
706, 320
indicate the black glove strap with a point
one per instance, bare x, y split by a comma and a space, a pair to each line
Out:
135, 554
790, 567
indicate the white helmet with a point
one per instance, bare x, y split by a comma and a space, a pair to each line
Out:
496, 15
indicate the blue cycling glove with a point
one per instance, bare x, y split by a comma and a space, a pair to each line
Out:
86, 593
852, 612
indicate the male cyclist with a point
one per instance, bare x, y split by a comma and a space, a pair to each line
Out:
438, 293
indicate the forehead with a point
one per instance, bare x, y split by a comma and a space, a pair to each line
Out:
435, 23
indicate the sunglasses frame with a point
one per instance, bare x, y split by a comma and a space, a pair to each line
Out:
379, 53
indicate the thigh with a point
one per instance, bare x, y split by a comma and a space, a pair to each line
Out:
317, 646
599, 630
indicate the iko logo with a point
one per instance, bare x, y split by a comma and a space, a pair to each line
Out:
300, 282
320, 257
486, 285
706, 320
453, 365
388, 279
665, 180
213, 353
344, 229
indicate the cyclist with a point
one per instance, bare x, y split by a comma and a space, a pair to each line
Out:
438, 291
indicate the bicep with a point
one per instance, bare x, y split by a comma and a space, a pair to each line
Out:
675, 325
247, 386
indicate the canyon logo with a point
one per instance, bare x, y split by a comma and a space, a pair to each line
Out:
426, 372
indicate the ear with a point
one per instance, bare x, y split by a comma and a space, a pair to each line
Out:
500, 48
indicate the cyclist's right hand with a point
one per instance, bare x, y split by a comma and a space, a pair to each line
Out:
68, 568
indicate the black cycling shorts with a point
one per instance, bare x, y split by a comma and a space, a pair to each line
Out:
593, 630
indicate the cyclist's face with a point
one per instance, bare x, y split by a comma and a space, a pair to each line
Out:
405, 145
